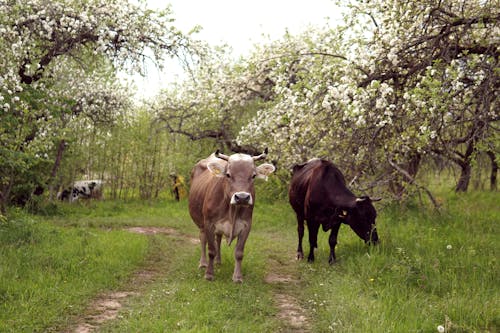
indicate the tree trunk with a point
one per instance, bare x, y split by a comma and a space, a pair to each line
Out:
466, 169
55, 168
5, 194
463, 181
494, 171
3, 204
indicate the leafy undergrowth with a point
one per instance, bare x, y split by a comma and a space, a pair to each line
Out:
430, 269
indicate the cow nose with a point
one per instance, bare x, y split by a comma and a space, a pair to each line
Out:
242, 198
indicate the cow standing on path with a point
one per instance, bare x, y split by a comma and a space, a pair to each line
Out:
318, 194
221, 201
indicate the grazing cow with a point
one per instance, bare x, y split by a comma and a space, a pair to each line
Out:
318, 194
221, 201
82, 189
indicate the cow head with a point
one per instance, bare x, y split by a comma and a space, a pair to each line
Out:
361, 219
240, 172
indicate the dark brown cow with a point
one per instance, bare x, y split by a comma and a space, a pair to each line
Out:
221, 200
318, 194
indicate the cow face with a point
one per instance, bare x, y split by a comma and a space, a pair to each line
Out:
361, 219
240, 172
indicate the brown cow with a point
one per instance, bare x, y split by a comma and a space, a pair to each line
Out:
221, 200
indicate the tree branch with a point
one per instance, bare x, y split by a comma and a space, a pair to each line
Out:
412, 181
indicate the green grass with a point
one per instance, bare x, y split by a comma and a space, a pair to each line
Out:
48, 273
430, 269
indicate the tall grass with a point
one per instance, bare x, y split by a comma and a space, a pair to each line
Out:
430, 269
48, 273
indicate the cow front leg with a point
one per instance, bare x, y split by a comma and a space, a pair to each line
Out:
217, 256
313, 239
203, 258
238, 257
300, 233
332, 240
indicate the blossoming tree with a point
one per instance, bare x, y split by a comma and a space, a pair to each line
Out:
400, 81
58, 67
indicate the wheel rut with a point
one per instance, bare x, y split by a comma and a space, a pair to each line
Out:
291, 313
106, 306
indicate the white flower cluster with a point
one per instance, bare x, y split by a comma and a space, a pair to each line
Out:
328, 109
58, 67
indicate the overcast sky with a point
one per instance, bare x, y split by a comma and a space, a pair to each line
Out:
238, 23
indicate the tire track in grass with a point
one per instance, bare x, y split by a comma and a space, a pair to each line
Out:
291, 313
106, 306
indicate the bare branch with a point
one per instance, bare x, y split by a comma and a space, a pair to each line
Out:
412, 181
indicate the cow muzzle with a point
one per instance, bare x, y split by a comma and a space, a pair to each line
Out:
241, 198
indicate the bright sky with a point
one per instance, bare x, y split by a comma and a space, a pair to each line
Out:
238, 23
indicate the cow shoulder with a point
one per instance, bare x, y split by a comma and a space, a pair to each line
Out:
328, 187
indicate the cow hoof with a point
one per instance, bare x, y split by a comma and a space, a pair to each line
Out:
238, 280
300, 256
209, 277
202, 265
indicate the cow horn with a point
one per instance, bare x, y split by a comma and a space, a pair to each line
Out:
361, 199
261, 156
221, 156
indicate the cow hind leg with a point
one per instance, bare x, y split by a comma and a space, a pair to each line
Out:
332, 240
300, 233
217, 256
203, 242
313, 239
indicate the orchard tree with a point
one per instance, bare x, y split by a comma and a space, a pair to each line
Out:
58, 63
440, 58
213, 102
400, 81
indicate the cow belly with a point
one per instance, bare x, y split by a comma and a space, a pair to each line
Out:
225, 228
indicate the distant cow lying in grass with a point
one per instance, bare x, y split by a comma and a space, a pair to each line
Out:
82, 189
221, 201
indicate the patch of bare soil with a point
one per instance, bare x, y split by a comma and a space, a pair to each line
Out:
291, 313
106, 306
164, 231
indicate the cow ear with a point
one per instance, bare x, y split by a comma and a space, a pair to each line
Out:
216, 168
265, 170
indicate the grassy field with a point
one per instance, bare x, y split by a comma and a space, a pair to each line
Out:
430, 269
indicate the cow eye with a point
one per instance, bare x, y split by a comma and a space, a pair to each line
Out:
228, 175
254, 175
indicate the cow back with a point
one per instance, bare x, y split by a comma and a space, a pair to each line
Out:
316, 185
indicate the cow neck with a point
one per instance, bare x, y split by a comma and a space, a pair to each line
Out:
235, 211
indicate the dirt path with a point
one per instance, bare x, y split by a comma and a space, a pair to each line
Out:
291, 313
107, 305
